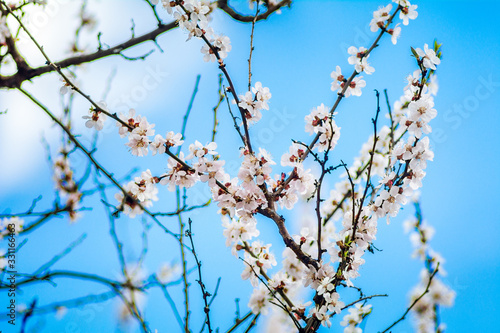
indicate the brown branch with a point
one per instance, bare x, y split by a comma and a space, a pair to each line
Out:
22, 66
287, 239
223, 4
15, 81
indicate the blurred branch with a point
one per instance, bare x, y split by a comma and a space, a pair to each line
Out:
216, 108
238, 322
28, 73
414, 302
61, 255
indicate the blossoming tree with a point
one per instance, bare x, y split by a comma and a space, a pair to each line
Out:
304, 285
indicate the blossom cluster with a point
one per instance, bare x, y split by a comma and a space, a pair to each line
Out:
386, 154
139, 131
411, 154
396, 186
96, 116
240, 202
66, 185
252, 102
382, 15
299, 182
438, 294
322, 280
339, 83
257, 259
397, 155
382, 18
355, 317
192, 17
141, 190
320, 121
179, 174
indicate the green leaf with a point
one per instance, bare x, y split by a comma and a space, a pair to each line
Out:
415, 54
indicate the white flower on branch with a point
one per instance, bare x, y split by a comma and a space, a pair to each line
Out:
259, 301
239, 230
139, 137
355, 86
429, 57
138, 144
408, 11
66, 87
355, 317
169, 5
96, 118
173, 139
157, 146
359, 59
254, 101
129, 204
197, 10
333, 303
379, 17
292, 158
320, 121
130, 120
198, 150
262, 95
209, 170
178, 175
221, 44
422, 109
144, 187
338, 78
322, 315
395, 33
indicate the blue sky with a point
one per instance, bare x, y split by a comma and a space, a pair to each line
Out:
294, 55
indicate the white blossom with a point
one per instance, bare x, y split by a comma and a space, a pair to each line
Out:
379, 17
429, 57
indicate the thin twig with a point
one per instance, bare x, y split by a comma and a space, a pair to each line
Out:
252, 47
188, 111
204, 292
216, 108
